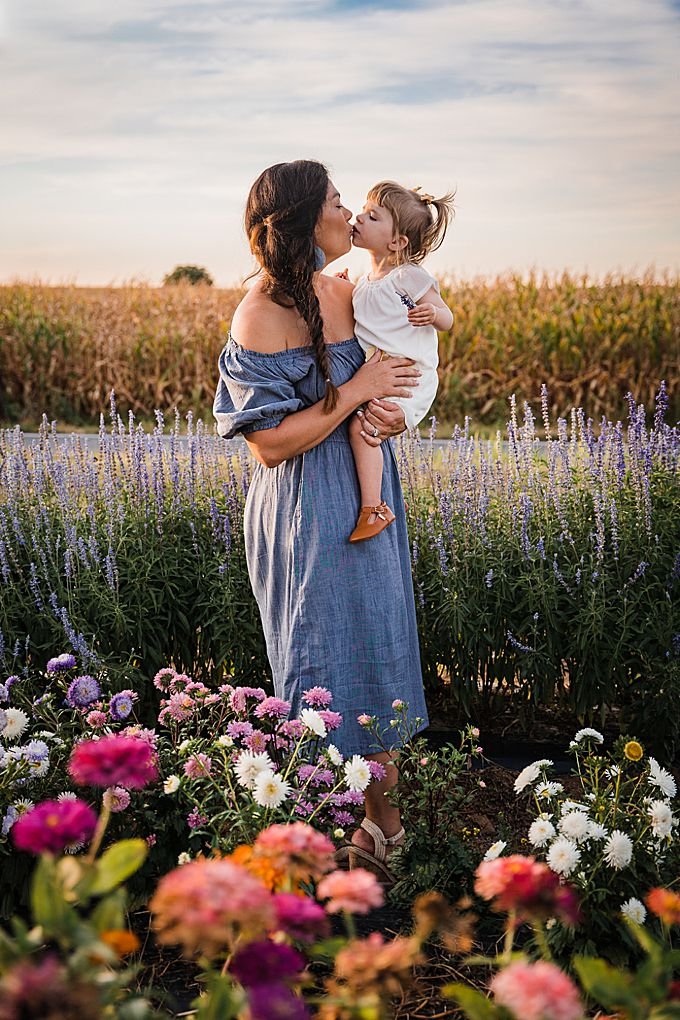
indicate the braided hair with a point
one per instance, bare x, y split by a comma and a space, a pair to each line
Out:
282, 211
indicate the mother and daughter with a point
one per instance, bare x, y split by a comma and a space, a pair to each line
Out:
315, 375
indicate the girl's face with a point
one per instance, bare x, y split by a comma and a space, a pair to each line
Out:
374, 230
333, 233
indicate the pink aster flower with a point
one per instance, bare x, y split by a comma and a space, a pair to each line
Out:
96, 719
317, 697
150, 736
53, 825
113, 761
257, 741
300, 917
238, 699
537, 991
356, 892
163, 677
298, 849
333, 720
377, 770
364, 719
207, 905
272, 708
116, 798
180, 706
198, 766
292, 728
195, 819
212, 699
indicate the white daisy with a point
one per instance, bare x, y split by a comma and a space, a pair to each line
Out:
334, 755
171, 784
541, 831
547, 790
357, 773
563, 856
527, 777
634, 910
618, 850
596, 830
310, 718
495, 850
575, 825
15, 724
588, 733
270, 790
22, 806
657, 776
661, 817
249, 765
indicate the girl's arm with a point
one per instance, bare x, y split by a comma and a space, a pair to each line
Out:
302, 430
431, 310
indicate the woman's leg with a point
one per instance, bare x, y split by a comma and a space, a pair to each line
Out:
377, 807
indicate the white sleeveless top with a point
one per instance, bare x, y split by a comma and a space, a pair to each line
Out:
380, 313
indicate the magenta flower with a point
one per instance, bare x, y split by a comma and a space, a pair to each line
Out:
53, 825
317, 697
113, 761
300, 917
195, 819
271, 1002
198, 766
262, 963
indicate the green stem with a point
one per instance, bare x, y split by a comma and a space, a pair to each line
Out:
99, 831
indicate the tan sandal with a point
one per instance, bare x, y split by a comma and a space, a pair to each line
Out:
372, 520
355, 856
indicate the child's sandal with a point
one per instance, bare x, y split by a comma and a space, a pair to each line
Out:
372, 520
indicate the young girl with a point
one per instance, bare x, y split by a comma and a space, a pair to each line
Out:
398, 310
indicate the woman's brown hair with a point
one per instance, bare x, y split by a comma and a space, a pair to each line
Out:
282, 211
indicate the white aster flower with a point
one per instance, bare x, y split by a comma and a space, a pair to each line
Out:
184, 746
357, 773
184, 858
563, 856
527, 777
661, 817
596, 830
495, 850
575, 825
657, 776
547, 790
249, 765
16, 723
270, 790
22, 806
225, 740
310, 718
38, 768
541, 831
334, 755
339, 833
612, 772
67, 795
634, 910
543, 762
572, 805
171, 784
588, 733
618, 850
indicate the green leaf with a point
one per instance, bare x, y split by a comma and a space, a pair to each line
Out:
475, 1004
50, 909
109, 912
610, 987
221, 1001
117, 864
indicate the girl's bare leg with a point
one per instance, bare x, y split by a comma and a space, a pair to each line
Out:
369, 464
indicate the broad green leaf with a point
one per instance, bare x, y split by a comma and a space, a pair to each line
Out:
117, 864
475, 1004
609, 986
109, 912
50, 909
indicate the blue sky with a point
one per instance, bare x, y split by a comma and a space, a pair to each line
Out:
132, 132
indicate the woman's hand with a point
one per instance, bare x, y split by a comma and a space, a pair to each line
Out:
386, 377
379, 420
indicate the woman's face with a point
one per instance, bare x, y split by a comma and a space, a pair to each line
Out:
333, 233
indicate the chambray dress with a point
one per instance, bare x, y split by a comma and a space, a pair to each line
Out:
336, 614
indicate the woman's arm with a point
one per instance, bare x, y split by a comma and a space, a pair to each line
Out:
302, 430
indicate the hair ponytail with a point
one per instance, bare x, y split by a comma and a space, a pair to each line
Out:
444, 212
282, 211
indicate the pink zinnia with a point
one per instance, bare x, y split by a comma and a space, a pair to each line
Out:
300, 917
207, 905
113, 761
298, 849
537, 991
53, 825
356, 892
317, 697
198, 766
526, 886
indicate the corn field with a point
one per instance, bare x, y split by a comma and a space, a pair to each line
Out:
63, 349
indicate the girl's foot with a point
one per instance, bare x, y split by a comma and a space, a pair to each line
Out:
372, 520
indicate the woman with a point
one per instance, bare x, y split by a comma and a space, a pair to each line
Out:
334, 614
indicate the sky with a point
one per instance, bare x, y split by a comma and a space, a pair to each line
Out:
130, 132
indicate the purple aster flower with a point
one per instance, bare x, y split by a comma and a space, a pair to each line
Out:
264, 963
378, 771
317, 697
82, 691
121, 704
273, 708
342, 818
61, 663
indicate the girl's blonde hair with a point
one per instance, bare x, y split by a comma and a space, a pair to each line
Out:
420, 218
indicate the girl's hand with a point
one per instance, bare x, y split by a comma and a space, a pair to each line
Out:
422, 315
389, 377
344, 275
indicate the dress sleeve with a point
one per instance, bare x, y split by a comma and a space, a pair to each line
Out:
416, 281
254, 392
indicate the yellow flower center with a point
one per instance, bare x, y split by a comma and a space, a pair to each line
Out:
633, 750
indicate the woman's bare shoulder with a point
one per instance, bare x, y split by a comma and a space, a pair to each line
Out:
261, 325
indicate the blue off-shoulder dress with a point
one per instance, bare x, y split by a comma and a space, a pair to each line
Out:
336, 614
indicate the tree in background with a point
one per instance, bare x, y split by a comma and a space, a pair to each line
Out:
188, 274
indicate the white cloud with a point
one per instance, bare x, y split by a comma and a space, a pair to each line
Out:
131, 134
